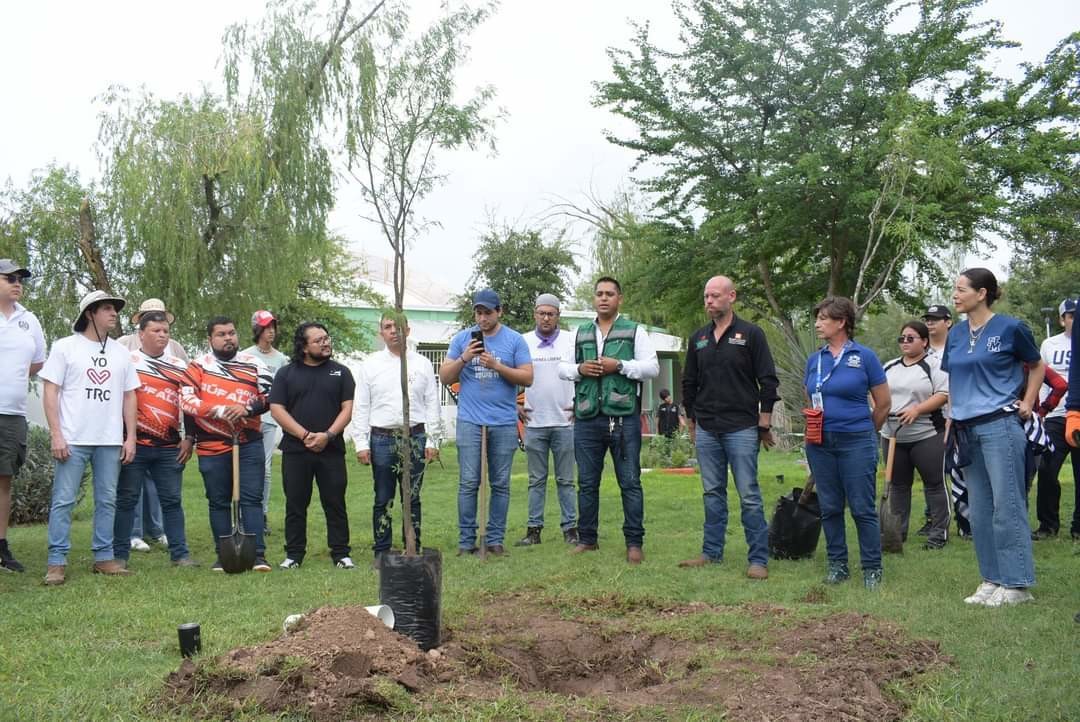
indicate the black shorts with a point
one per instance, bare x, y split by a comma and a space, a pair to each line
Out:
12, 444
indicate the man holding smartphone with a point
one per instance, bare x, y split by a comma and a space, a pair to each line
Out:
491, 361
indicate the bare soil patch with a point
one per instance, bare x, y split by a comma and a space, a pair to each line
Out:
578, 661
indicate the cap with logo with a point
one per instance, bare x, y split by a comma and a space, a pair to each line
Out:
89, 301
939, 312
1067, 306
152, 304
8, 266
487, 298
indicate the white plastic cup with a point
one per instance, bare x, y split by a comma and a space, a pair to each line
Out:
383, 613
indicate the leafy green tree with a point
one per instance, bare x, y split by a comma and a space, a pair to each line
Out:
1038, 284
807, 147
519, 264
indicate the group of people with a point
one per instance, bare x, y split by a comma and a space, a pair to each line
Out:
955, 399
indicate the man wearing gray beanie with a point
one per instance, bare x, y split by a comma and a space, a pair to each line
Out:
548, 415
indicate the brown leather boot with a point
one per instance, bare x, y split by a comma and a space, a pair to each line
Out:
634, 555
584, 548
54, 575
757, 571
701, 561
112, 568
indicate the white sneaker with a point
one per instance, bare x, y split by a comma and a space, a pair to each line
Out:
1004, 596
982, 594
162, 540
289, 564
345, 563
139, 545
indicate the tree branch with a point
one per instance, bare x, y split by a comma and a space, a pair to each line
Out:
88, 248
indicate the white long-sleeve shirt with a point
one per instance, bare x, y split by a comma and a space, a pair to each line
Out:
643, 366
378, 397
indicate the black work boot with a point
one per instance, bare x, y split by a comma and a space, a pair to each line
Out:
532, 536
570, 536
8, 563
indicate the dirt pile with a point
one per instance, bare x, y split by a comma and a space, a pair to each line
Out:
595, 658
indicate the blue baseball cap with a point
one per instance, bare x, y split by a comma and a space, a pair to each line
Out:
487, 298
1067, 306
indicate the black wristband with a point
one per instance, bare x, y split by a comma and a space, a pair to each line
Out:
764, 429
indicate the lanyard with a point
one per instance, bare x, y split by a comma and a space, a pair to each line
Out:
821, 381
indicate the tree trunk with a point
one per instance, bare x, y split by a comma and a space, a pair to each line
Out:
405, 441
88, 248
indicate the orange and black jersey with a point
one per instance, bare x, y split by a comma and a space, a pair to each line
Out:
216, 384
158, 395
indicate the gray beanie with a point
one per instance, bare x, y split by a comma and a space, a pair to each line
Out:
547, 299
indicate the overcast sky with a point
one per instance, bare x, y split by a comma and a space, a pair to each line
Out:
542, 57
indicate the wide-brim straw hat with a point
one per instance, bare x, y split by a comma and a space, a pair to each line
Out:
152, 304
91, 299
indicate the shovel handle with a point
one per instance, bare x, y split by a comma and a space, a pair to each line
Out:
481, 522
235, 468
808, 489
889, 460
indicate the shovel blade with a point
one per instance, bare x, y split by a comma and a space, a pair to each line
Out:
237, 552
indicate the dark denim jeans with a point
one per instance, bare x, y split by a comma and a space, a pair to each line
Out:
593, 439
386, 472
845, 471
160, 463
739, 450
217, 479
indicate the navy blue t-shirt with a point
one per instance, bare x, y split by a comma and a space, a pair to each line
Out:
844, 392
987, 376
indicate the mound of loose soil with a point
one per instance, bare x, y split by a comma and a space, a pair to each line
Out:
597, 658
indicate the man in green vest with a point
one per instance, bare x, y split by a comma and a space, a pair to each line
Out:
612, 356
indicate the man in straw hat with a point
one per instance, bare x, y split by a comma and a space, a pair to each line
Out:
22, 352
131, 340
90, 406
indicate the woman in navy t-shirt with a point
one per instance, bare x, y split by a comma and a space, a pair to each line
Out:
838, 379
984, 357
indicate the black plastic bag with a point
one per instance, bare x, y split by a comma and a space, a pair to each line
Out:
412, 588
796, 525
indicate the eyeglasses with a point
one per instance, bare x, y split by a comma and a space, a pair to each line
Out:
13, 278
320, 341
547, 314
907, 339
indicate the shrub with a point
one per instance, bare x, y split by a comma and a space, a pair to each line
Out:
661, 452
31, 489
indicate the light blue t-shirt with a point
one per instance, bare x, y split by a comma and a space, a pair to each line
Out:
987, 376
844, 388
486, 397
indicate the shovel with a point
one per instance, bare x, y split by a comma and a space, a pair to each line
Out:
481, 521
236, 550
892, 536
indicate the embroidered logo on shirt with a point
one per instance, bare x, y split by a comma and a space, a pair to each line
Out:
335, 372
737, 339
24, 325
854, 361
701, 343
993, 344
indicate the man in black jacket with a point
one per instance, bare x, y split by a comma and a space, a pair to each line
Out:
729, 389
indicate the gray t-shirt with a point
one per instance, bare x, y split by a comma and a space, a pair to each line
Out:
273, 360
911, 385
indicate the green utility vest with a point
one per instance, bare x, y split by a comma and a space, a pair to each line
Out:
614, 394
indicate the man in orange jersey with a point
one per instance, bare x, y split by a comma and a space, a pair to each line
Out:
160, 453
227, 393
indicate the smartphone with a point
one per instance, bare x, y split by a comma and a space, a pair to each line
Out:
478, 335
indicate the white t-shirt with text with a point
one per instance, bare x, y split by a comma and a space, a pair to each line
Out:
1056, 353
550, 399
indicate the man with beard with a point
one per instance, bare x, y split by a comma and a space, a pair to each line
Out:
312, 400
227, 395
90, 405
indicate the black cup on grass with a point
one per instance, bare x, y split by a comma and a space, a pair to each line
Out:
779, 478
190, 639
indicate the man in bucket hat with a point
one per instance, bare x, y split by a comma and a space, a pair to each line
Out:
131, 340
90, 406
22, 352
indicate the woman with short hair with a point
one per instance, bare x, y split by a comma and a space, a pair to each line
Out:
985, 357
919, 389
839, 378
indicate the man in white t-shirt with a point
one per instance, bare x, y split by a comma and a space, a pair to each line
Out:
91, 408
1056, 353
22, 352
548, 414
264, 330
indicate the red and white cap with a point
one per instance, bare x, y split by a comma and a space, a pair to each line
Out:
262, 319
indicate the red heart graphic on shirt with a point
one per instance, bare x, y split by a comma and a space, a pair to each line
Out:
98, 377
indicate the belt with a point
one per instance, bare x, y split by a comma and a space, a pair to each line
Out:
380, 431
984, 418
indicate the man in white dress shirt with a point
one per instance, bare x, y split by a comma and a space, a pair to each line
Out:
377, 427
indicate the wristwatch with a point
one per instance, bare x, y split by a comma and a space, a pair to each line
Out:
619, 367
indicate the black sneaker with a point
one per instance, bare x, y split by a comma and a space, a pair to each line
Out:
216, 566
570, 535
925, 529
532, 537
261, 565
8, 563
1042, 533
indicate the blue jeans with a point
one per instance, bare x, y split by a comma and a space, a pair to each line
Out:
559, 440
270, 442
593, 438
160, 463
386, 473
105, 462
148, 507
999, 521
217, 479
715, 452
501, 444
845, 471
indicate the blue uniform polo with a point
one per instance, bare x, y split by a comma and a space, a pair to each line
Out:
987, 375
845, 388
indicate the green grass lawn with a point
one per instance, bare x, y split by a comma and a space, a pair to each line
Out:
99, 648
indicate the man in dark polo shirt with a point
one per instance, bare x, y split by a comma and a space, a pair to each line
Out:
729, 389
312, 399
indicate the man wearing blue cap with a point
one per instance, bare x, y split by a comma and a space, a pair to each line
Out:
1056, 352
491, 361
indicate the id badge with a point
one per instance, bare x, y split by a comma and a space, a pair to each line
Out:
817, 401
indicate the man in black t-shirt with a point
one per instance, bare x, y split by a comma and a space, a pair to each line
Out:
312, 399
668, 418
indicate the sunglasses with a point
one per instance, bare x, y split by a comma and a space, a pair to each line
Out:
13, 278
907, 339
